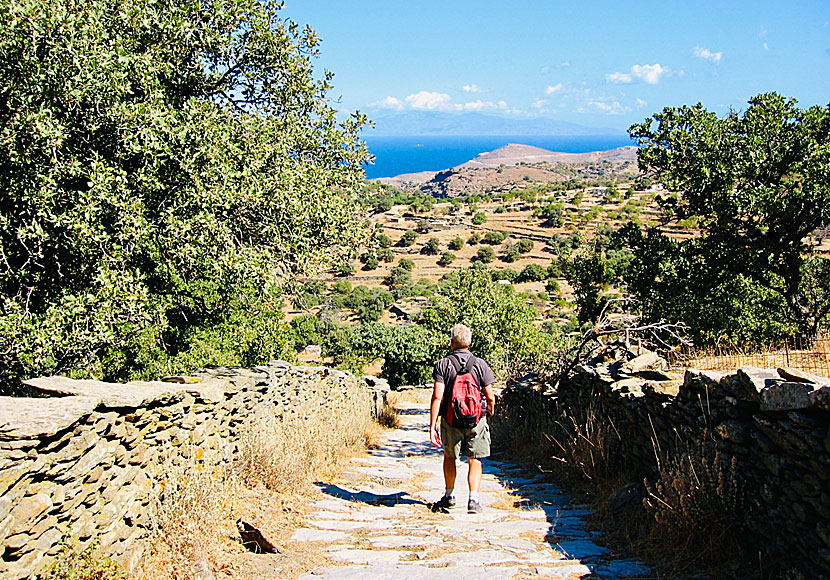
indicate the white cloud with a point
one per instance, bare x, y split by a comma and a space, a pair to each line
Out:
618, 78
564, 64
429, 101
471, 88
553, 89
650, 73
641, 103
606, 105
707, 54
539, 103
388, 103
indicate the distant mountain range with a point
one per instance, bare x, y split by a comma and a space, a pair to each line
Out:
426, 123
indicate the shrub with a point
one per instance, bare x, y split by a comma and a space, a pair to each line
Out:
510, 253
474, 239
386, 255
431, 247
456, 243
533, 273
407, 239
494, 238
384, 241
446, 259
485, 255
406, 264
479, 218
524, 246
371, 263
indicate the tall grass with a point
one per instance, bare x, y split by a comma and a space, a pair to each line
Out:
278, 457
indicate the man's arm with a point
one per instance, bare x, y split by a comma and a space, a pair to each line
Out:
490, 395
435, 405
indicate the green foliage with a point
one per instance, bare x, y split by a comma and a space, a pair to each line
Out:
588, 274
510, 253
494, 238
446, 259
431, 247
533, 273
500, 209
386, 255
504, 274
474, 238
553, 214
406, 264
524, 246
371, 263
383, 241
456, 243
758, 184
485, 255
501, 321
423, 226
163, 166
407, 239
479, 218
409, 352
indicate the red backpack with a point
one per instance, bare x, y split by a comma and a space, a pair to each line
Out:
464, 408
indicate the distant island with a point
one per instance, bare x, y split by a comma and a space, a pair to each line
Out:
510, 164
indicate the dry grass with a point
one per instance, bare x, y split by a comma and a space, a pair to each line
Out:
693, 509
812, 356
269, 484
87, 564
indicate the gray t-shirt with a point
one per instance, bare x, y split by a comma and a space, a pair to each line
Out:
444, 372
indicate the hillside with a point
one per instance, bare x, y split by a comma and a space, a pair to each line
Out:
513, 165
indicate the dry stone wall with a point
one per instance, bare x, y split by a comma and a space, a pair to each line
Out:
87, 461
774, 423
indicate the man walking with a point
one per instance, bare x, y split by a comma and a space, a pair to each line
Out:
473, 442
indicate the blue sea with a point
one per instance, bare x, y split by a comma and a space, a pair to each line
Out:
397, 155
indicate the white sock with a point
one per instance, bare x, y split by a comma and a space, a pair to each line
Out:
449, 492
474, 496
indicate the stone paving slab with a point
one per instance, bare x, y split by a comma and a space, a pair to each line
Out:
378, 525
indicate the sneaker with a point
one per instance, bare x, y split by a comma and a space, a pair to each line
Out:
473, 507
444, 504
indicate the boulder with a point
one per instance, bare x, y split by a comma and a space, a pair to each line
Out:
648, 361
751, 381
799, 376
787, 396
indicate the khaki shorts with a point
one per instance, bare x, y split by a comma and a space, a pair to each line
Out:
473, 442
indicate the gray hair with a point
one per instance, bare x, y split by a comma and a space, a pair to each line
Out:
461, 335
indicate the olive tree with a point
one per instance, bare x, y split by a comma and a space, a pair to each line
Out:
758, 183
165, 167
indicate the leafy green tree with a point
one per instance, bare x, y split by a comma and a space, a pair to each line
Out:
431, 247
494, 238
446, 259
485, 255
386, 255
164, 168
384, 241
456, 243
407, 239
479, 218
533, 273
588, 274
758, 184
510, 253
524, 245
474, 238
501, 321
406, 264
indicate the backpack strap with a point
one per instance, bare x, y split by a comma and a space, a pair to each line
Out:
460, 366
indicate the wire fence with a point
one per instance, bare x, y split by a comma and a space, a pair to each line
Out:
811, 355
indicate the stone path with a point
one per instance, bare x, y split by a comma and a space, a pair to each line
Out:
375, 523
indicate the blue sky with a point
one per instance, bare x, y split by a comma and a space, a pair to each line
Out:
600, 64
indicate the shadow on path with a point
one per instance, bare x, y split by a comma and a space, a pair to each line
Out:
389, 500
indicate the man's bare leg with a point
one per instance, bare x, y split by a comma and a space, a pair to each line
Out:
449, 471
474, 474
